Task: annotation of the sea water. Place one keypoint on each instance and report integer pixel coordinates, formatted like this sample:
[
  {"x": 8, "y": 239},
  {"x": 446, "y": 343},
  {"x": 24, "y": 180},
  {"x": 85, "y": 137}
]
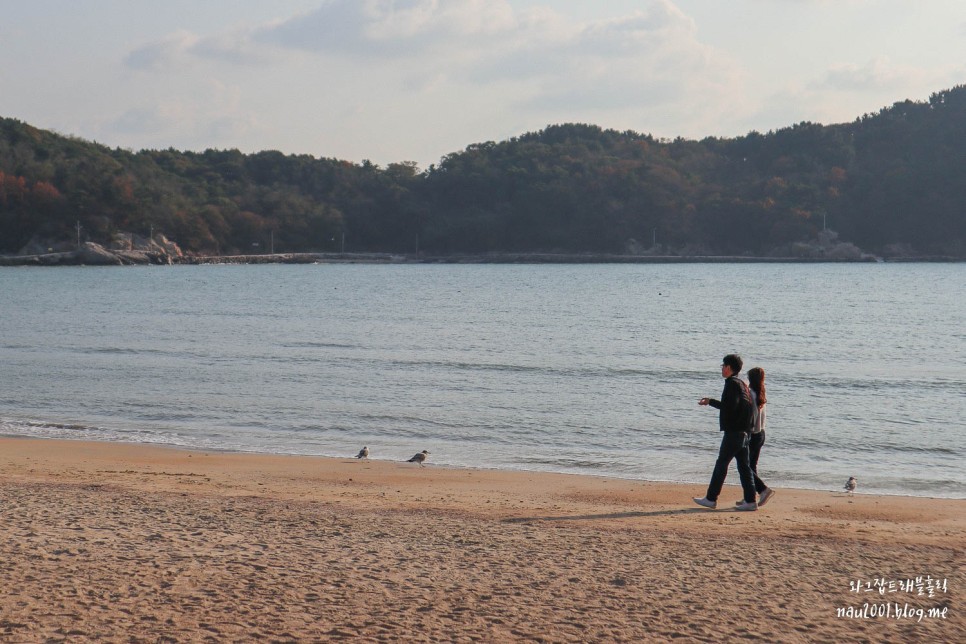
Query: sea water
[{"x": 590, "y": 369}]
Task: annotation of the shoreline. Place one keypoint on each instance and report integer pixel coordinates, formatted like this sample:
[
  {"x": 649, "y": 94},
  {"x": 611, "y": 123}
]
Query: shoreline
[
  {"x": 110, "y": 540},
  {"x": 475, "y": 468},
  {"x": 162, "y": 452},
  {"x": 126, "y": 258}
]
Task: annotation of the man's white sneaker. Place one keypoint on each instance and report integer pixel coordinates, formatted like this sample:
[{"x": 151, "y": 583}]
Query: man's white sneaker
[
  {"x": 746, "y": 507},
  {"x": 702, "y": 501},
  {"x": 764, "y": 496}
]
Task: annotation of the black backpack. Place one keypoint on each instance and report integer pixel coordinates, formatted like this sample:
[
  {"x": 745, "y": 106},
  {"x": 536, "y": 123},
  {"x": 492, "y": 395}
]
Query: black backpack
[{"x": 747, "y": 409}]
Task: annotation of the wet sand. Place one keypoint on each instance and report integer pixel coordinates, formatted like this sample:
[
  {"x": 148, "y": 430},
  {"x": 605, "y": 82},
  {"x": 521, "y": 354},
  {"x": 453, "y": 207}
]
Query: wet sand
[{"x": 120, "y": 542}]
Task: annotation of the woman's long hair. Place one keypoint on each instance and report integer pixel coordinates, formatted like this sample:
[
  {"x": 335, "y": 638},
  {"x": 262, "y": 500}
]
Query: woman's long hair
[{"x": 756, "y": 380}]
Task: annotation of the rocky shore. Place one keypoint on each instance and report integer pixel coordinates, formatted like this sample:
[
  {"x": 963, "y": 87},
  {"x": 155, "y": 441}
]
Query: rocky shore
[
  {"x": 91, "y": 254},
  {"x": 125, "y": 249}
]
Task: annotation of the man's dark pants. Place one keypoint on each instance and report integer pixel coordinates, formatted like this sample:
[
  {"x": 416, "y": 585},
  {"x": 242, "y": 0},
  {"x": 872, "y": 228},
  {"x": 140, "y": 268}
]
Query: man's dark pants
[{"x": 734, "y": 445}]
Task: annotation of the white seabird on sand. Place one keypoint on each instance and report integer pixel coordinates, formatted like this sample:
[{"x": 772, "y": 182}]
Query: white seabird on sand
[
  {"x": 419, "y": 458},
  {"x": 850, "y": 484},
  {"x": 363, "y": 453}
]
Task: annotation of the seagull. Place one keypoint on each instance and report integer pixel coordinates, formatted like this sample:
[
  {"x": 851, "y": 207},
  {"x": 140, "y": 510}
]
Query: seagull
[
  {"x": 363, "y": 453},
  {"x": 419, "y": 458},
  {"x": 850, "y": 484}
]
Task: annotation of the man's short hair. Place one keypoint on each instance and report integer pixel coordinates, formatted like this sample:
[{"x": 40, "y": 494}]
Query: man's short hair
[{"x": 734, "y": 361}]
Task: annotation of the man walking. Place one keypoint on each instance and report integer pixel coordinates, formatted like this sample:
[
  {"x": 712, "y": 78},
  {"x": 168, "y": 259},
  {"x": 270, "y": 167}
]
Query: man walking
[{"x": 734, "y": 443}]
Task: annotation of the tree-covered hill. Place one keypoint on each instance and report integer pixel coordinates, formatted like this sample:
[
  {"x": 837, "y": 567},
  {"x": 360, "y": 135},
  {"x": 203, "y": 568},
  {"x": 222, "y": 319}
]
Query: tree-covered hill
[{"x": 890, "y": 183}]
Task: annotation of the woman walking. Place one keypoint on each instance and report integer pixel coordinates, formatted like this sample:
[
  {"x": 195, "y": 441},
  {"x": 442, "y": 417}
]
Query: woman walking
[{"x": 756, "y": 382}]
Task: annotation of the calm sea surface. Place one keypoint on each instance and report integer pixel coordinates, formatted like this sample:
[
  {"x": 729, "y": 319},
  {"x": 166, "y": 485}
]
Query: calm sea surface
[{"x": 592, "y": 369}]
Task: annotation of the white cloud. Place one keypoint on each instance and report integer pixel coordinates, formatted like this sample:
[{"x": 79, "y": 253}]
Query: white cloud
[
  {"x": 236, "y": 48},
  {"x": 182, "y": 49},
  {"x": 537, "y": 60},
  {"x": 488, "y": 66},
  {"x": 661, "y": 25},
  {"x": 879, "y": 73},
  {"x": 211, "y": 112},
  {"x": 624, "y": 66},
  {"x": 845, "y": 91},
  {"x": 555, "y": 48},
  {"x": 390, "y": 27},
  {"x": 170, "y": 50},
  {"x": 150, "y": 119}
]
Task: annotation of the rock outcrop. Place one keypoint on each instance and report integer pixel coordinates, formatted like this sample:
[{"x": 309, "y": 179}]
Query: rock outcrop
[{"x": 131, "y": 250}]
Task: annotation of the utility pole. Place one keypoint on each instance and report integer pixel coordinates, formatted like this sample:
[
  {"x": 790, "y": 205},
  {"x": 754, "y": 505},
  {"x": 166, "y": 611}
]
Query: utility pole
[{"x": 78, "y": 234}]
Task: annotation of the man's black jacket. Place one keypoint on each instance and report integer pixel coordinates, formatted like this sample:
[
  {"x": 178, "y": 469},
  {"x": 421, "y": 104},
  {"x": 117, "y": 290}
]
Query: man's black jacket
[{"x": 729, "y": 406}]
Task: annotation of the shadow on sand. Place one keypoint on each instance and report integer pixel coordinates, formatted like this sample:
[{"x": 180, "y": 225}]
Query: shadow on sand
[{"x": 614, "y": 515}]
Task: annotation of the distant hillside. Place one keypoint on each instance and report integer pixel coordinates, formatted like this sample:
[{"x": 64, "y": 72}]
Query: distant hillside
[{"x": 891, "y": 183}]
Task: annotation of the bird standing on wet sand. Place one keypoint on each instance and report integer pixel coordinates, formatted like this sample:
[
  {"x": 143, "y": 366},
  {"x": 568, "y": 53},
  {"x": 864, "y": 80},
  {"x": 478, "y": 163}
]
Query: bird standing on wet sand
[
  {"x": 850, "y": 484},
  {"x": 364, "y": 452},
  {"x": 419, "y": 458}
]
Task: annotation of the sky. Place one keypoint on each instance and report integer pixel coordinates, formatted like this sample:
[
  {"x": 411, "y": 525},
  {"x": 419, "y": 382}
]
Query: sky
[{"x": 415, "y": 80}]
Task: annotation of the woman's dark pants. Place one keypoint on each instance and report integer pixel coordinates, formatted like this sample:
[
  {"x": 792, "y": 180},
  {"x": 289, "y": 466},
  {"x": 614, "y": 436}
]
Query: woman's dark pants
[{"x": 755, "y": 444}]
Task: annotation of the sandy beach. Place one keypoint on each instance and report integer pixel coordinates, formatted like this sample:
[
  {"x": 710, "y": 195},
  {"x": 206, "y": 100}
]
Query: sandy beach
[{"x": 119, "y": 542}]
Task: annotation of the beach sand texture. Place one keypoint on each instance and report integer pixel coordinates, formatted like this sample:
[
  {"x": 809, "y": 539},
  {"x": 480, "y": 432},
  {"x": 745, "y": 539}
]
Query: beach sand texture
[{"x": 132, "y": 543}]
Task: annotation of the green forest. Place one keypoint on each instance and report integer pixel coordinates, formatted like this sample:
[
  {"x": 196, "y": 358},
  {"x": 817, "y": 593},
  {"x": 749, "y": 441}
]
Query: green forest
[{"x": 892, "y": 183}]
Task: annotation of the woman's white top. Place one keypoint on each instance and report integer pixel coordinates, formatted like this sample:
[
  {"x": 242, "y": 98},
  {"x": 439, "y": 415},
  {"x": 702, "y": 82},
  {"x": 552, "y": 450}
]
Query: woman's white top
[{"x": 760, "y": 421}]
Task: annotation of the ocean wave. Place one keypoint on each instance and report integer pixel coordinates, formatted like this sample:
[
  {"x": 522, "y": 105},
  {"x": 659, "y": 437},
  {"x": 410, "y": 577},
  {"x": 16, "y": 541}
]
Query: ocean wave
[{"x": 319, "y": 345}]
